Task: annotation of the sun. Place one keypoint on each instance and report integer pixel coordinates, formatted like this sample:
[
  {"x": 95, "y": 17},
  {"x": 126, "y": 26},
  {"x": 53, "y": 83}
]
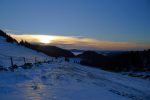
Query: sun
[{"x": 45, "y": 39}]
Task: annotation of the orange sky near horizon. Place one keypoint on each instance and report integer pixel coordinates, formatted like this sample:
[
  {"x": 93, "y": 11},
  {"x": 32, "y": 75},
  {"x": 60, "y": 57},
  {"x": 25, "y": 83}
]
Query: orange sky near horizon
[{"x": 71, "y": 42}]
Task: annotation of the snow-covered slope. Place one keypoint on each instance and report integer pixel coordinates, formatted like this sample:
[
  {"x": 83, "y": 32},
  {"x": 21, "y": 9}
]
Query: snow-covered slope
[
  {"x": 69, "y": 81},
  {"x": 17, "y": 52},
  {"x": 60, "y": 80}
]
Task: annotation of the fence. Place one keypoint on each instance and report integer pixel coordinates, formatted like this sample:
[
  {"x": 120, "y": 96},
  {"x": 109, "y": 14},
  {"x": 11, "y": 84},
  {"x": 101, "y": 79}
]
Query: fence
[{"x": 7, "y": 61}]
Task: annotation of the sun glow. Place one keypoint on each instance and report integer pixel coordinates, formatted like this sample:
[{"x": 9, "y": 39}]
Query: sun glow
[
  {"x": 81, "y": 43},
  {"x": 46, "y": 39}
]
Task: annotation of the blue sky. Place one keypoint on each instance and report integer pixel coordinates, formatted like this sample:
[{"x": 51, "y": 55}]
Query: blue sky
[{"x": 108, "y": 20}]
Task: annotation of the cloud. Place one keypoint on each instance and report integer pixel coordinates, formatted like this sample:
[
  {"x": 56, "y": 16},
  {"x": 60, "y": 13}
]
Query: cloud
[{"x": 70, "y": 42}]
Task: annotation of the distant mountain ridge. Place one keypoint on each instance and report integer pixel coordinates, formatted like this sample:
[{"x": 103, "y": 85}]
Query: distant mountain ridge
[
  {"x": 46, "y": 49},
  {"x": 125, "y": 61},
  {"x": 49, "y": 50}
]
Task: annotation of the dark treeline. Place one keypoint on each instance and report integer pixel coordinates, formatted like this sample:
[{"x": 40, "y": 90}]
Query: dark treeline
[
  {"x": 8, "y": 37},
  {"x": 126, "y": 61},
  {"x": 48, "y": 50}
]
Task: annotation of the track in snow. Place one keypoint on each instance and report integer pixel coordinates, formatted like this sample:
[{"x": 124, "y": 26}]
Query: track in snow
[{"x": 68, "y": 81}]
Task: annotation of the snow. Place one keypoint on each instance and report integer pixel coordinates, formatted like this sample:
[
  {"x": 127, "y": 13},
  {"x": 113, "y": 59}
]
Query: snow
[
  {"x": 17, "y": 52},
  {"x": 60, "y": 80},
  {"x": 69, "y": 81},
  {"x": 75, "y": 60}
]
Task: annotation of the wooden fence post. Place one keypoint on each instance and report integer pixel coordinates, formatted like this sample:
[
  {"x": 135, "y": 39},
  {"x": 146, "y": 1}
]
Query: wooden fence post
[
  {"x": 11, "y": 59},
  {"x": 24, "y": 59},
  {"x": 46, "y": 60},
  {"x": 35, "y": 60}
]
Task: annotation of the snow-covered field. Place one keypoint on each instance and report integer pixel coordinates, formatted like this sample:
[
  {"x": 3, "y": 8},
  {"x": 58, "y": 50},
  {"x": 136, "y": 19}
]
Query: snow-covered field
[
  {"x": 69, "y": 81},
  {"x": 60, "y": 80},
  {"x": 18, "y": 53}
]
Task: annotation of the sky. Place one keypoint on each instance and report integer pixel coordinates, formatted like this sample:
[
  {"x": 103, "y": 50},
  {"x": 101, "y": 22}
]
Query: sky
[{"x": 91, "y": 24}]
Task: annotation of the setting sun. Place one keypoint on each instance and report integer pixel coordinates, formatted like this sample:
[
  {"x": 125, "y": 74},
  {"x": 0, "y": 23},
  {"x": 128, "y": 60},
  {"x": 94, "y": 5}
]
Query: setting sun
[{"x": 45, "y": 39}]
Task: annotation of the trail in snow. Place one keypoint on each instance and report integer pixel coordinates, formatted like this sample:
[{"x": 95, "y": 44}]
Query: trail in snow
[{"x": 68, "y": 81}]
